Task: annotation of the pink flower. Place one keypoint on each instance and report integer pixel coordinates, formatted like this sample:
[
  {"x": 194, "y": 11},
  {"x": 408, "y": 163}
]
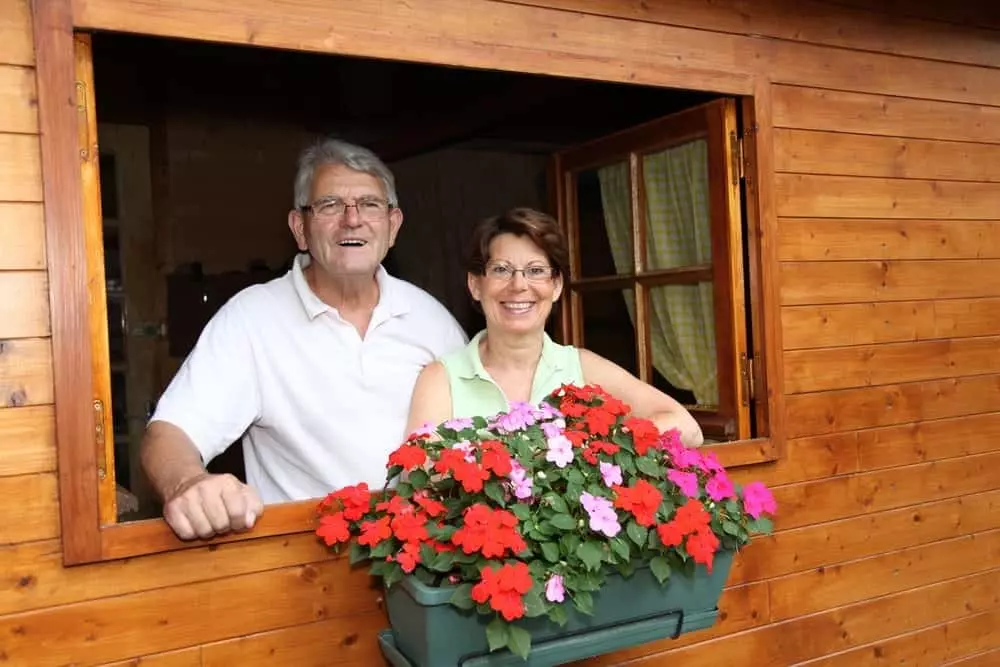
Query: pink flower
[
  {"x": 709, "y": 463},
  {"x": 520, "y": 480},
  {"x": 687, "y": 481},
  {"x": 757, "y": 499},
  {"x": 560, "y": 451},
  {"x": 720, "y": 488},
  {"x": 603, "y": 518},
  {"x": 466, "y": 447},
  {"x": 610, "y": 473},
  {"x": 554, "y": 590}
]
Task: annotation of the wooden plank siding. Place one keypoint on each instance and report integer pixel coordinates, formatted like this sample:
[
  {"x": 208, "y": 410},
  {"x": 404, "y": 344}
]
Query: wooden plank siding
[{"x": 886, "y": 139}]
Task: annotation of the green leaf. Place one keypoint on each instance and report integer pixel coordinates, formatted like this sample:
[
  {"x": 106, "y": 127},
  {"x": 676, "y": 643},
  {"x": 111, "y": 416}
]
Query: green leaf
[
  {"x": 557, "y": 614},
  {"x": 584, "y": 602},
  {"x": 393, "y": 574},
  {"x": 417, "y": 478},
  {"x": 557, "y": 503},
  {"x": 732, "y": 507},
  {"x": 570, "y": 543},
  {"x": 660, "y": 568},
  {"x": 462, "y": 597},
  {"x": 563, "y": 522},
  {"x": 627, "y": 569},
  {"x": 495, "y": 493},
  {"x": 636, "y": 533},
  {"x": 440, "y": 533},
  {"x": 519, "y": 641},
  {"x": 620, "y": 547},
  {"x": 625, "y": 461},
  {"x": 648, "y": 467},
  {"x": 591, "y": 554},
  {"x": 358, "y": 553},
  {"x": 404, "y": 490},
  {"x": 730, "y": 527},
  {"x": 761, "y": 525},
  {"x": 383, "y": 549},
  {"x": 551, "y": 552},
  {"x": 533, "y": 603},
  {"x": 521, "y": 511},
  {"x": 379, "y": 568},
  {"x": 497, "y": 634},
  {"x": 443, "y": 562},
  {"x": 575, "y": 477}
]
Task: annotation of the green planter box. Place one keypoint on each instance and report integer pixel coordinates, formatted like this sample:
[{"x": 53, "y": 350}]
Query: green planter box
[{"x": 429, "y": 632}]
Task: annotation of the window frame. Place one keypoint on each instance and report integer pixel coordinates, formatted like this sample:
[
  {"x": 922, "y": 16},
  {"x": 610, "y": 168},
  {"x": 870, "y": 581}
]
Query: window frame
[
  {"x": 716, "y": 123},
  {"x": 88, "y": 539}
]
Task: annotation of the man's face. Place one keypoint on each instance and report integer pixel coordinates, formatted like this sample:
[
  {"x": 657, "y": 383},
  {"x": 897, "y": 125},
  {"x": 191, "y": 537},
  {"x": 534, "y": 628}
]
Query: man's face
[{"x": 353, "y": 242}]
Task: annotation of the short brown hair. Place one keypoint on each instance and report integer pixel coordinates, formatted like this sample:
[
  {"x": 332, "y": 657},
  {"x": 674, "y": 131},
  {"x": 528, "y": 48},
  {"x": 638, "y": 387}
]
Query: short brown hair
[{"x": 541, "y": 228}]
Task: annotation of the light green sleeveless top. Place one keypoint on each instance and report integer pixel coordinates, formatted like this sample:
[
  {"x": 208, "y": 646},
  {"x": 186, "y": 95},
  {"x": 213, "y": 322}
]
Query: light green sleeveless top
[{"x": 473, "y": 391}]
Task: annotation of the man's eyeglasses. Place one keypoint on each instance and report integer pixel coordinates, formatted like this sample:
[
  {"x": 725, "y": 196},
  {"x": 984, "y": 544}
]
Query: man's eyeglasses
[
  {"x": 369, "y": 209},
  {"x": 503, "y": 272}
]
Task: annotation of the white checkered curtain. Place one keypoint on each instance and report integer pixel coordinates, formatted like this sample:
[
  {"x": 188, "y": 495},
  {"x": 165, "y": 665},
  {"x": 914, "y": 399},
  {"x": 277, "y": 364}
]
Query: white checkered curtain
[{"x": 682, "y": 317}]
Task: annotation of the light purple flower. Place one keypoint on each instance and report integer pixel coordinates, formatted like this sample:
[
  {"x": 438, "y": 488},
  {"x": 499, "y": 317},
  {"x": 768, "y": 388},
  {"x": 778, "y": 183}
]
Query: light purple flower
[
  {"x": 720, "y": 487},
  {"x": 521, "y": 415},
  {"x": 466, "y": 447},
  {"x": 459, "y": 424},
  {"x": 426, "y": 430},
  {"x": 554, "y": 590},
  {"x": 553, "y": 428},
  {"x": 687, "y": 481},
  {"x": 547, "y": 411},
  {"x": 602, "y": 514},
  {"x": 520, "y": 480},
  {"x": 560, "y": 451},
  {"x": 610, "y": 473}
]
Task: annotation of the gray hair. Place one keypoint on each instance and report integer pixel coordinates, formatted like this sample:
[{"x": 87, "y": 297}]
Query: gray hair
[{"x": 334, "y": 151}]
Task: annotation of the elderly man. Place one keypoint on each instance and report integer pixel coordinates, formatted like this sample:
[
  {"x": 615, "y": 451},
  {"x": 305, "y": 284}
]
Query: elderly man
[{"x": 313, "y": 369}]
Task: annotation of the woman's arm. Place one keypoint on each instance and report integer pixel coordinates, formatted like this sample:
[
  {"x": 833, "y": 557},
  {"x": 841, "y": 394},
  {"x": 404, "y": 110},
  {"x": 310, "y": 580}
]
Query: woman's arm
[
  {"x": 646, "y": 401},
  {"x": 431, "y": 400}
]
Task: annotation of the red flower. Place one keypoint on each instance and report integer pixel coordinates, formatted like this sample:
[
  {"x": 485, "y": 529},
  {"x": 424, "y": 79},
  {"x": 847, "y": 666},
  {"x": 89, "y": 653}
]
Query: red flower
[
  {"x": 599, "y": 421},
  {"x": 642, "y": 499},
  {"x": 670, "y": 534},
  {"x": 333, "y": 528},
  {"x": 373, "y": 532},
  {"x": 395, "y": 505},
  {"x": 615, "y": 407},
  {"x": 692, "y": 516},
  {"x": 429, "y": 505},
  {"x": 571, "y": 408},
  {"x": 644, "y": 434},
  {"x": 505, "y": 588},
  {"x": 408, "y": 557},
  {"x": 578, "y": 438},
  {"x": 355, "y": 501},
  {"x": 496, "y": 458},
  {"x": 702, "y": 547},
  {"x": 410, "y": 527},
  {"x": 490, "y": 532},
  {"x": 408, "y": 456},
  {"x": 469, "y": 474}
]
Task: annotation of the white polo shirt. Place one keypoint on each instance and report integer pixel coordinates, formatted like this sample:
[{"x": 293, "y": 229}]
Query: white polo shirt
[{"x": 318, "y": 407}]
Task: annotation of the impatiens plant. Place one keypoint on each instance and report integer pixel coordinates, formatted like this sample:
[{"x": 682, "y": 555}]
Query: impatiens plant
[{"x": 528, "y": 511}]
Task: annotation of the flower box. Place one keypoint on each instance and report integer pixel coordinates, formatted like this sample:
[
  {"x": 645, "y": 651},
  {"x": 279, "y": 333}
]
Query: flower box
[{"x": 427, "y": 631}]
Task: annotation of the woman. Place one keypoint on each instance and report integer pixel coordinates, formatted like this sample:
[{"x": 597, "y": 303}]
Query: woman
[{"x": 516, "y": 271}]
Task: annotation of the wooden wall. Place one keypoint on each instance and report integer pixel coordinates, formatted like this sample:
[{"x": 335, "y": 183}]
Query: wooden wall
[{"x": 887, "y": 191}]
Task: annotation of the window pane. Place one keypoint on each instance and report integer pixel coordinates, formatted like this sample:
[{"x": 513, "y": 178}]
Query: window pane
[
  {"x": 604, "y": 210},
  {"x": 677, "y": 206},
  {"x": 609, "y": 326},
  {"x": 682, "y": 337}
]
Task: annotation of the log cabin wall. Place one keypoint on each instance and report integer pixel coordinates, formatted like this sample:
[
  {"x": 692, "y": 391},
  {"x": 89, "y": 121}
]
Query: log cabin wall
[{"x": 887, "y": 192}]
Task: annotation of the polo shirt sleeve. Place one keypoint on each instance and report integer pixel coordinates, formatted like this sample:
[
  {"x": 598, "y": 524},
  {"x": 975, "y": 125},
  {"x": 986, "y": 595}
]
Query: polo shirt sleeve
[
  {"x": 453, "y": 335},
  {"x": 215, "y": 395}
]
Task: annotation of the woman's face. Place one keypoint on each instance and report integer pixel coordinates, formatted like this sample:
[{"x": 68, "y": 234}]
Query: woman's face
[{"x": 518, "y": 301}]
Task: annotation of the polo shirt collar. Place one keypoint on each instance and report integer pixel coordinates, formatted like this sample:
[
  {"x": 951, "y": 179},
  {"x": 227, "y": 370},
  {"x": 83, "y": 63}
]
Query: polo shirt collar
[
  {"x": 471, "y": 365},
  {"x": 390, "y": 299}
]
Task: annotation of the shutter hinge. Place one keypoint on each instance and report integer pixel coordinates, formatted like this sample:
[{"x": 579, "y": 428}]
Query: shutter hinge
[
  {"x": 749, "y": 381},
  {"x": 102, "y": 453}
]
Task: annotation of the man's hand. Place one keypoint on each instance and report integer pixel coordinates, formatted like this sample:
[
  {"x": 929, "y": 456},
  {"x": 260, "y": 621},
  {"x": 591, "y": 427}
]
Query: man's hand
[{"x": 208, "y": 505}]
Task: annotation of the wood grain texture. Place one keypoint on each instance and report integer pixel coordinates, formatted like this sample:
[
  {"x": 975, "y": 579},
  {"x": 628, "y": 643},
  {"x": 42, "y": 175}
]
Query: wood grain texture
[
  {"x": 25, "y": 372},
  {"x": 888, "y": 363},
  {"x": 22, "y": 236},
  {"x": 806, "y": 21},
  {"x": 24, "y": 304},
  {"x": 850, "y": 409},
  {"x": 20, "y": 168},
  {"x": 29, "y": 505},
  {"x": 834, "y": 238},
  {"x": 66, "y": 249},
  {"x": 888, "y": 322},
  {"x": 189, "y": 657},
  {"x": 888, "y": 280},
  {"x": 15, "y": 34},
  {"x": 29, "y": 441},
  {"x": 117, "y": 628},
  {"x": 807, "y": 195},
  {"x": 891, "y": 488},
  {"x": 804, "y": 459},
  {"x": 840, "y": 153},
  {"x": 835, "y": 630},
  {"x": 836, "y": 110},
  {"x": 18, "y": 99},
  {"x": 984, "y": 659},
  {"x": 928, "y": 441}
]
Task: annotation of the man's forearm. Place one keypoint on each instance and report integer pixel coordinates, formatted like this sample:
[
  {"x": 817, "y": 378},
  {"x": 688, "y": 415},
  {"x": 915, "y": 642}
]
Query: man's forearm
[{"x": 169, "y": 458}]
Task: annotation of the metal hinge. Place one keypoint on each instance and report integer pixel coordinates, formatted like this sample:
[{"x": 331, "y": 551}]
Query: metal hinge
[
  {"x": 749, "y": 381},
  {"x": 102, "y": 455}
]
